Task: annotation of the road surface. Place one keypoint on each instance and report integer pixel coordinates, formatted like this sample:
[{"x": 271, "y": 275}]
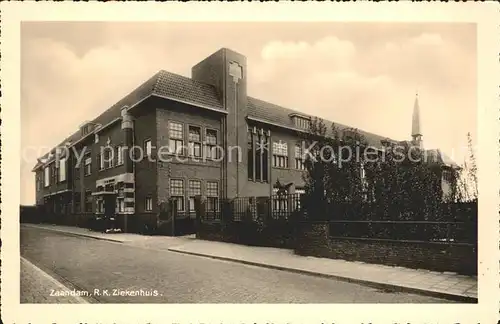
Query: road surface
[{"x": 107, "y": 272}]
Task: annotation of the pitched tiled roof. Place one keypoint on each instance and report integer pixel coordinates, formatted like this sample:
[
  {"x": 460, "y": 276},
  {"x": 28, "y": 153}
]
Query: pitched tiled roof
[
  {"x": 176, "y": 87},
  {"x": 165, "y": 84},
  {"x": 275, "y": 114},
  {"x": 185, "y": 89}
]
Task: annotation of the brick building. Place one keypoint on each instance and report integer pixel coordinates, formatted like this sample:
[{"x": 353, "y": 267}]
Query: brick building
[{"x": 190, "y": 116}]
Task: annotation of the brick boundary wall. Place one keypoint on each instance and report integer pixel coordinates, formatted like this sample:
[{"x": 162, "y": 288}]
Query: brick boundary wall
[
  {"x": 247, "y": 233},
  {"x": 314, "y": 240}
]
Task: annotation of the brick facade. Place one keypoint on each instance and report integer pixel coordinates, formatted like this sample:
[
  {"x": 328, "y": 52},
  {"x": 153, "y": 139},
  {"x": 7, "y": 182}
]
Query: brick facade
[{"x": 213, "y": 100}]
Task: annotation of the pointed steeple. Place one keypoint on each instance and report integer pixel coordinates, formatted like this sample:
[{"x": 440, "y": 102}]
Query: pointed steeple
[{"x": 416, "y": 132}]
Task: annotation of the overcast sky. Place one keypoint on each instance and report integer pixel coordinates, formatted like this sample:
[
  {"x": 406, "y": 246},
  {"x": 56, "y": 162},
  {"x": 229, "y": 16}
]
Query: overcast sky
[{"x": 364, "y": 75}]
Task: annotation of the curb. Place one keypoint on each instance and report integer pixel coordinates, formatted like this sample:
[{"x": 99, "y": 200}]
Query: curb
[
  {"x": 78, "y": 234},
  {"x": 372, "y": 284}
]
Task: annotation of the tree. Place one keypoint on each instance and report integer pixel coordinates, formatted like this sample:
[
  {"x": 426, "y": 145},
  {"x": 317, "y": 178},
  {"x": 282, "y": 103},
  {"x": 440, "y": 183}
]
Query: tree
[{"x": 465, "y": 186}]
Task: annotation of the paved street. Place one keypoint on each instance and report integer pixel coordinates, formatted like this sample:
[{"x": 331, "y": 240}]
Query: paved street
[{"x": 100, "y": 270}]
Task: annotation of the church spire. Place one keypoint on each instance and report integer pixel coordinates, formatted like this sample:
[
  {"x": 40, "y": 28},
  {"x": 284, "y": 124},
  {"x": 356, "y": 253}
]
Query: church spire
[{"x": 416, "y": 132}]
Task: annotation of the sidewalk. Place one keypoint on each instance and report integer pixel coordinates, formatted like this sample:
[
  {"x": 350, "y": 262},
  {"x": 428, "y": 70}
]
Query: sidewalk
[
  {"x": 37, "y": 287},
  {"x": 436, "y": 284},
  {"x": 145, "y": 241}
]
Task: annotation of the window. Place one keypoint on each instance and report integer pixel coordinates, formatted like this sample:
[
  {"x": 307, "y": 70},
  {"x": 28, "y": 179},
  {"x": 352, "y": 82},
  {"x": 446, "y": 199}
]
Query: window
[
  {"x": 120, "y": 204},
  {"x": 147, "y": 147},
  {"x": 302, "y": 122},
  {"x": 265, "y": 157},
  {"x": 212, "y": 195},
  {"x": 258, "y": 150},
  {"x": 280, "y": 154},
  {"x": 88, "y": 201},
  {"x": 106, "y": 158},
  {"x": 119, "y": 155},
  {"x": 100, "y": 205},
  {"x": 53, "y": 173},
  {"x": 148, "y": 204},
  {"x": 177, "y": 192},
  {"x": 211, "y": 144},
  {"x": 88, "y": 165},
  {"x": 110, "y": 157},
  {"x": 194, "y": 189},
  {"x": 176, "y": 138},
  {"x": 250, "y": 155},
  {"x": 62, "y": 170},
  {"x": 194, "y": 141},
  {"x": 100, "y": 160},
  {"x": 299, "y": 158},
  {"x": 46, "y": 174}
]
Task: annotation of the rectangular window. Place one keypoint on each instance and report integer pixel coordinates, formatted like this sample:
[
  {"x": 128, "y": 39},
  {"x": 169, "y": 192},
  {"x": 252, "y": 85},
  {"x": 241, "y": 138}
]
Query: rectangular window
[
  {"x": 148, "y": 204},
  {"x": 280, "y": 154},
  {"x": 46, "y": 174},
  {"x": 194, "y": 190},
  {"x": 119, "y": 155},
  {"x": 177, "y": 192},
  {"x": 299, "y": 158},
  {"x": 302, "y": 123},
  {"x": 100, "y": 160},
  {"x": 88, "y": 201},
  {"x": 148, "y": 148},
  {"x": 259, "y": 150},
  {"x": 194, "y": 141},
  {"x": 100, "y": 205},
  {"x": 212, "y": 195},
  {"x": 250, "y": 155},
  {"x": 53, "y": 173},
  {"x": 120, "y": 204},
  {"x": 88, "y": 165},
  {"x": 110, "y": 157},
  {"x": 62, "y": 169},
  {"x": 211, "y": 144},
  {"x": 265, "y": 158},
  {"x": 176, "y": 138}
]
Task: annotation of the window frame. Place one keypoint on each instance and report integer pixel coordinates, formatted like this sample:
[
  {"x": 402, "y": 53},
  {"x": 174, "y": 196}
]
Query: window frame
[
  {"x": 148, "y": 204},
  {"x": 145, "y": 147},
  {"x": 87, "y": 158},
  {"x": 299, "y": 158},
  {"x": 176, "y": 139},
  {"x": 192, "y": 143},
  {"x": 212, "y": 198},
  {"x": 120, "y": 160},
  {"x": 279, "y": 156},
  {"x": 88, "y": 202},
  {"x": 62, "y": 162},
  {"x": 192, "y": 194},
  {"x": 210, "y": 147},
  {"x": 183, "y": 196},
  {"x": 46, "y": 176}
]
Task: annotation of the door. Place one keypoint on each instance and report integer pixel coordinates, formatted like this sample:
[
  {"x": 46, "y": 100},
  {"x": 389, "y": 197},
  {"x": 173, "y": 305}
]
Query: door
[{"x": 109, "y": 205}]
